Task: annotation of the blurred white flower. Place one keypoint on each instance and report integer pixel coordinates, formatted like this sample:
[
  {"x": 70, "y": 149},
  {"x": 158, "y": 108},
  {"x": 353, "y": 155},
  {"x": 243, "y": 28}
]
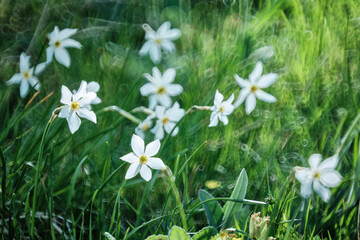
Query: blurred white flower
[
  {"x": 320, "y": 176},
  {"x": 221, "y": 109},
  {"x": 77, "y": 105},
  {"x": 160, "y": 87},
  {"x": 92, "y": 87},
  {"x": 58, "y": 42},
  {"x": 143, "y": 127},
  {"x": 251, "y": 89},
  {"x": 167, "y": 119},
  {"x": 161, "y": 39},
  {"x": 26, "y": 76},
  {"x": 142, "y": 158}
]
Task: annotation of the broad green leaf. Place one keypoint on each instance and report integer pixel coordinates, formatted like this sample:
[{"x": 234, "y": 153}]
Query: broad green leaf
[
  {"x": 177, "y": 233},
  {"x": 213, "y": 209},
  {"x": 239, "y": 192},
  {"x": 205, "y": 233},
  {"x": 156, "y": 237}
]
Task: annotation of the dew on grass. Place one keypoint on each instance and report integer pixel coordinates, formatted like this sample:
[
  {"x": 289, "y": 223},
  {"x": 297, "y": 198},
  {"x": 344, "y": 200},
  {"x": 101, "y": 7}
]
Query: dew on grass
[
  {"x": 273, "y": 177},
  {"x": 302, "y": 119},
  {"x": 299, "y": 130},
  {"x": 244, "y": 147},
  {"x": 219, "y": 168},
  {"x": 308, "y": 34},
  {"x": 304, "y": 142},
  {"x": 231, "y": 186},
  {"x": 282, "y": 159},
  {"x": 236, "y": 133},
  {"x": 267, "y": 114},
  {"x": 200, "y": 168},
  {"x": 256, "y": 113}
]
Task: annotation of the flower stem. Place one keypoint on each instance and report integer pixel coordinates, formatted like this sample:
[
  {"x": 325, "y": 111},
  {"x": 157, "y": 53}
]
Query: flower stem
[{"x": 123, "y": 113}]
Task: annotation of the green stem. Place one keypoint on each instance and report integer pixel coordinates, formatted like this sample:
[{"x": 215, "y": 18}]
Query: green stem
[{"x": 123, "y": 113}]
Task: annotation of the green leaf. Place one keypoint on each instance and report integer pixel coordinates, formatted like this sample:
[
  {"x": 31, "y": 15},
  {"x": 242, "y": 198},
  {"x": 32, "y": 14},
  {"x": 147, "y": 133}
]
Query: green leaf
[
  {"x": 239, "y": 192},
  {"x": 177, "y": 233},
  {"x": 205, "y": 233},
  {"x": 109, "y": 236},
  {"x": 213, "y": 209},
  {"x": 156, "y": 237}
]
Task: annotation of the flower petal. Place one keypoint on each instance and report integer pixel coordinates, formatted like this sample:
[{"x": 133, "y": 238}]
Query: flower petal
[
  {"x": 49, "y": 54},
  {"x": 214, "y": 119},
  {"x": 130, "y": 158},
  {"x": 160, "y": 111},
  {"x": 265, "y": 97},
  {"x": 167, "y": 45},
  {"x": 152, "y": 101},
  {"x": 242, "y": 83},
  {"x": 145, "y": 48},
  {"x": 155, "y": 163},
  {"x": 145, "y": 172},
  {"x": 34, "y": 82},
  {"x": 172, "y": 34},
  {"x": 133, "y": 170},
  {"x": 158, "y": 130},
  {"x": 137, "y": 145},
  {"x": 314, "y": 160},
  {"x": 147, "y": 89},
  {"x": 67, "y": 32},
  {"x": 169, "y": 76},
  {"x": 85, "y": 113},
  {"x": 224, "y": 119},
  {"x": 164, "y": 100},
  {"x": 152, "y": 148},
  {"x": 40, "y": 68},
  {"x": 250, "y": 103},
  {"x": 24, "y": 88},
  {"x": 93, "y": 87},
  {"x": 65, "y": 112},
  {"x": 218, "y": 98},
  {"x": 66, "y": 95},
  {"x": 62, "y": 56},
  {"x": 329, "y": 163},
  {"x": 155, "y": 53},
  {"x": 74, "y": 122},
  {"x": 87, "y": 98},
  {"x": 169, "y": 127},
  {"x": 174, "y": 89},
  {"x": 267, "y": 80},
  {"x": 330, "y": 178},
  {"x": 323, "y": 192},
  {"x": 256, "y": 73},
  {"x": 242, "y": 96},
  {"x": 71, "y": 43},
  {"x": 164, "y": 27},
  {"x": 24, "y": 62},
  {"x": 16, "y": 79},
  {"x": 175, "y": 114}
]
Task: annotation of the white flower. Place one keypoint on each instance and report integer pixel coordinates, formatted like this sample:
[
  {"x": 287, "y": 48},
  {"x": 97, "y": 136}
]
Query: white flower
[
  {"x": 143, "y": 127},
  {"x": 142, "y": 158},
  {"x": 26, "y": 76},
  {"x": 58, "y": 42},
  {"x": 92, "y": 87},
  {"x": 167, "y": 119},
  {"x": 221, "y": 109},
  {"x": 251, "y": 89},
  {"x": 160, "y": 87},
  {"x": 319, "y": 176},
  {"x": 77, "y": 105},
  {"x": 161, "y": 39}
]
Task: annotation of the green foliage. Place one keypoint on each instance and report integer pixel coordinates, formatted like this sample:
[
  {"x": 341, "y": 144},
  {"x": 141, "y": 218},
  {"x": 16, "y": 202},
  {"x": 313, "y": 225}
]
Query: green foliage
[{"x": 213, "y": 210}]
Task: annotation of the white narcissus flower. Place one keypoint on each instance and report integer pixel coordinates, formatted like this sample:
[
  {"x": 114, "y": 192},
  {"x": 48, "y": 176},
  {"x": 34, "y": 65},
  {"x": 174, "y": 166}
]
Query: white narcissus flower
[
  {"x": 160, "y": 87},
  {"x": 77, "y": 105},
  {"x": 167, "y": 119},
  {"x": 142, "y": 159},
  {"x": 251, "y": 89},
  {"x": 161, "y": 39},
  {"x": 26, "y": 76},
  {"x": 320, "y": 176},
  {"x": 58, "y": 42},
  {"x": 143, "y": 127},
  {"x": 221, "y": 109},
  {"x": 92, "y": 87}
]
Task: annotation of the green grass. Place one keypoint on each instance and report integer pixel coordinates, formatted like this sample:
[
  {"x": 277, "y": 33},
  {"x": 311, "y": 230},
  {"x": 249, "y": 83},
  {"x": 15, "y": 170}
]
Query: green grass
[{"x": 81, "y": 178}]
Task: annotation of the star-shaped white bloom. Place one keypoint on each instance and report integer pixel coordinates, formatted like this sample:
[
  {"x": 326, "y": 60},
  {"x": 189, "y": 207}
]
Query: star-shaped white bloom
[
  {"x": 142, "y": 158},
  {"x": 92, "y": 87},
  {"x": 26, "y": 76},
  {"x": 58, "y": 42},
  {"x": 160, "y": 87},
  {"x": 143, "y": 127},
  {"x": 161, "y": 39},
  {"x": 251, "y": 89},
  {"x": 320, "y": 176},
  {"x": 221, "y": 109},
  {"x": 167, "y": 119},
  {"x": 76, "y": 106}
]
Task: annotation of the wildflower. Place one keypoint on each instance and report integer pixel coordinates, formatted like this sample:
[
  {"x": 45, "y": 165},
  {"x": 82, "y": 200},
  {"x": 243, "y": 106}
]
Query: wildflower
[
  {"x": 259, "y": 227},
  {"x": 221, "y": 109},
  {"x": 167, "y": 119},
  {"x": 77, "y": 105},
  {"x": 251, "y": 89},
  {"x": 142, "y": 158},
  {"x": 161, "y": 39},
  {"x": 58, "y": 42},
  {"x": 319, "y": 176},
  {"x": 26, "y": 76},
  {"x": 212, "y": 184},
  {"x": 92, "y": 87},
  {"x": 161, "y": 88},
  {"x": 143, "y": 127}
]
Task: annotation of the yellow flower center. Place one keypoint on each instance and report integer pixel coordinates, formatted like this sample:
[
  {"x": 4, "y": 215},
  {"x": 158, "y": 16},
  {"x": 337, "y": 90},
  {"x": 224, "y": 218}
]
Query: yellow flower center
[
  {"x": 161, "y": 90},
  {"x": 158, "y": 40},
  {"x": 221, "y": 109},
  {"x": 317, "y": 175},
  {"x": 57, "y": 44},
  {"x": 143, "y": 159},
  {"x": 75, "y": 106},
  {"x": 145, "y": 127},
  {"x": 26, "y": 74},
  {"x": 254, "y": 88},
  {"x": 165, "y": 120}
]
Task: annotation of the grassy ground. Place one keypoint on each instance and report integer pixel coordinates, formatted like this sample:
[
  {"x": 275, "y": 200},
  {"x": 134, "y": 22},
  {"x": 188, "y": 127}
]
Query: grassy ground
[{"x": 316, "y": 45}]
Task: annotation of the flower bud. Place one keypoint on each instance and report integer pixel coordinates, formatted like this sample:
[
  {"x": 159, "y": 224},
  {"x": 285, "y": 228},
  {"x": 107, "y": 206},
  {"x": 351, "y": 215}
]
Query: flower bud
[{"x": 259, "y": 227}]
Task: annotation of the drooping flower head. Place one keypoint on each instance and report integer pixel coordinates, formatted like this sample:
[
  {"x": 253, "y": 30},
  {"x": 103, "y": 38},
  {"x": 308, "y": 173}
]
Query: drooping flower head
[
  {"x": 320, "y": 176},
  {"x": 143, "y": 127},
  {"x": 221, "y": 109},
  {"x": 77, "y": 106},
  {"x": 251, "y": 89},
  {"x": 58, "y": 42},
  {"x": 161, "y": 39},
  {"x": 142, "y": 159},
  {"x": 26, "y": 76},
  {"x": 167, "y": 119},
  {"x": 160, "y": 87}
]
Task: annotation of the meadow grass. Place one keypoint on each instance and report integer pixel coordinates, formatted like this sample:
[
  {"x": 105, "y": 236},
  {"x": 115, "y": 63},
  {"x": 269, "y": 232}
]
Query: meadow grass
[{"x": 79, "y": 178}]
